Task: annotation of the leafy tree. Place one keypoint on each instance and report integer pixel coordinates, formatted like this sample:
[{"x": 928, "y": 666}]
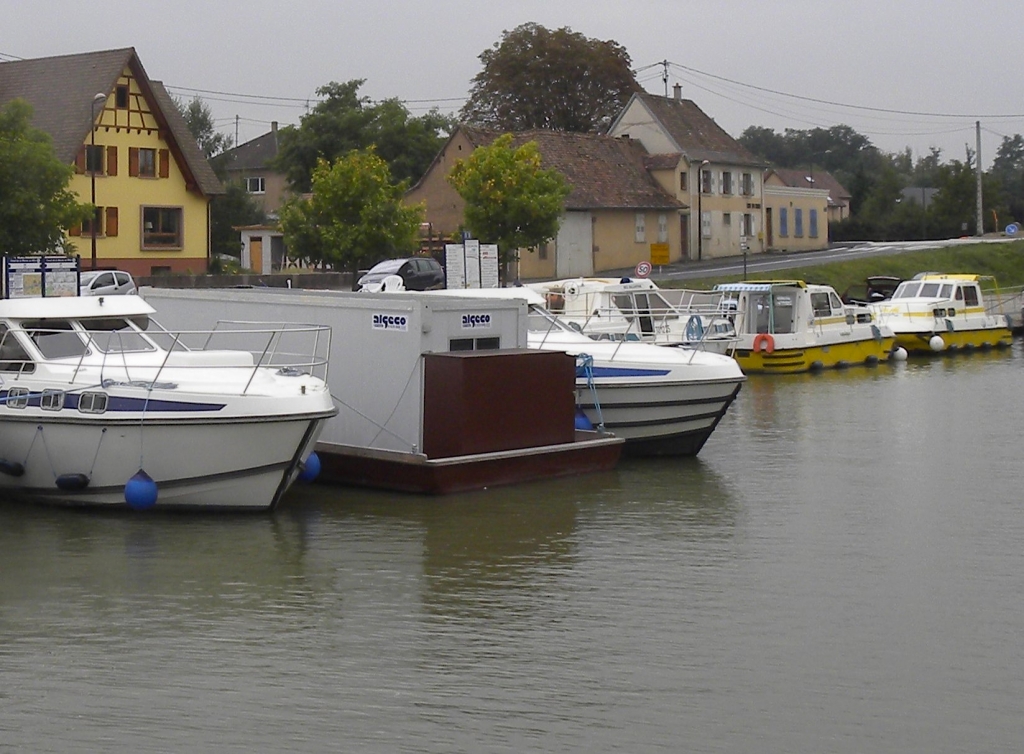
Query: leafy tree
[
  {"x": 354, "y": 216},
  {"x": 36, "y": 205},
  {"x": 1008, "y": 170},
  {"x": 235, "y": 207},
  {"x": 199, "y": 118},
  {"x": 556, "y": 80},
  {"x": 344, "y": 121},
  {"x": 510, "y": 199}
]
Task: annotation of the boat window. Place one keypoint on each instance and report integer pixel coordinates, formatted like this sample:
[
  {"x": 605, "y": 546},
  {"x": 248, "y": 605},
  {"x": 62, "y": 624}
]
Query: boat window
[
  {"x": 907, "y": 290},
  {"x": 51, "y": 400},
  {"x": 761, "y": 308},
  {"x": 115, "y": 336},
  {"x": 837, "y": 303},
  {"x": 946, "y": 291},
  {"x": 930, "y": 290},
  {"x": 555, "y": 302},
  {"x": 92, "y": 403},
  {"x": 971, "y": 297},
  {"x": 959, "y": 294},
  {"x": 13, "y": 357},
  {"x": 784, "y": 311},
  {"x": 55, "y": 338},
  {"x": 821, "y": 305},
  {"x": 624, "y": 303},
  {"x": 17, "y": 397}
]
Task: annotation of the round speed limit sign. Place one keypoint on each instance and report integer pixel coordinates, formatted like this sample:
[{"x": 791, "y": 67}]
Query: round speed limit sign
[{"x": 643, "y": 269}]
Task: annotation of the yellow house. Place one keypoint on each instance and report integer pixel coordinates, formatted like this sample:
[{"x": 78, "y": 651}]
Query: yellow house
[
  {"x": 616, "y": 214},
  {"x": 135, "y": 159}
]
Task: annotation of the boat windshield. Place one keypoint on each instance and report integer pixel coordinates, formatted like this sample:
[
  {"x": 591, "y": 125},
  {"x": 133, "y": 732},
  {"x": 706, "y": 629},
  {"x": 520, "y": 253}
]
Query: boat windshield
[
  {"x": 541, "y": 320},
  {"x": 116, "y": 335},
  {"x": 907, "y": 290},
  {"x": 13, "y": 356}
]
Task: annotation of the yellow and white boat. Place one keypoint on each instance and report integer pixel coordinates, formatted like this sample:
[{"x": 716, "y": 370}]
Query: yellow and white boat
[
  {"x": 789, "y": 326},
  {"x": 934, "y": 313}
]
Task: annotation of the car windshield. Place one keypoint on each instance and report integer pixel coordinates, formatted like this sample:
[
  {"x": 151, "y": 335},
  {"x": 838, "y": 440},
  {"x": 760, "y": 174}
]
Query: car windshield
[{"x": 388, "y": 265}]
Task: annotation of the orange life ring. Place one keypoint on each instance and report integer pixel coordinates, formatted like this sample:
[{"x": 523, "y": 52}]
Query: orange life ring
[{"x": 764, "y": 342}]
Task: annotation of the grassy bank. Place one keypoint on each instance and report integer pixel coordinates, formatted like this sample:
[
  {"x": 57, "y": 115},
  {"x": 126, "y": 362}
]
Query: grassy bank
[{"x": 1004, "y": 261}]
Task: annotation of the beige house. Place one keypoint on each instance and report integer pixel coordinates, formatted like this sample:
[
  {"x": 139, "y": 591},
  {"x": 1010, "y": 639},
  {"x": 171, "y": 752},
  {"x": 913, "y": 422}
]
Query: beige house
[
  {"x": 795, "y": 217},
  {"x": 616, "y": 214},
  {"x": 250, "y": 164},
  {"x": 716, "y": 180},
  {"x": 815, "y": 178}
]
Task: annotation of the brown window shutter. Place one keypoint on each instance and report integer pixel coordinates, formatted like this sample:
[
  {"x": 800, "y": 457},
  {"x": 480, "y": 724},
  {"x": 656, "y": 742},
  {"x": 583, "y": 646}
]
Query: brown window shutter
[
  {"x": 111, "y": 229},
  {"x": 165, "y": 163},
  {"x": 80, "y": 160},
  {"x": 75, "y": 231},
  {"x": 133, "y": 161},
  {"x": 111, "y": 160}
]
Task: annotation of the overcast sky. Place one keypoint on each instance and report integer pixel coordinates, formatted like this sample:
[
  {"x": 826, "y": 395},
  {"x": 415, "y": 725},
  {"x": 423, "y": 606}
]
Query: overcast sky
[{"x": 740, "y": 60}]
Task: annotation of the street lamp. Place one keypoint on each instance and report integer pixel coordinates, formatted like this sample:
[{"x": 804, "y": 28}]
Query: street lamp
[
  {"x": 98, "y": 99},
  {"x": 700, "y": 213}
]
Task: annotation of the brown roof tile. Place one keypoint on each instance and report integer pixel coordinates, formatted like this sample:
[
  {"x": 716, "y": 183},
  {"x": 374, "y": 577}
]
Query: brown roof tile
[
  {"x": 695, "y": 133},
  {"x": 797, "y": 178},
  {"x": 60, "y": 90},
  {"x": 604, "y": 172}
]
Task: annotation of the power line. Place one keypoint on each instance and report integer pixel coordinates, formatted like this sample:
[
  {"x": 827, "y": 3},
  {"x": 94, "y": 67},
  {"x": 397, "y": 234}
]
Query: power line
[{"x": 840, "y": 104}]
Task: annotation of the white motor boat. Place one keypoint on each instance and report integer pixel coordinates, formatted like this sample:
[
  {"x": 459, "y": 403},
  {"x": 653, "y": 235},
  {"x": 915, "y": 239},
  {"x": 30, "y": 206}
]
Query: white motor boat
[
  {"x": 100, "y": 406},
  {"x": 661, "y": 401},
  {"x": 936, "y": 313},
  {"x": 637, "y": 309}
]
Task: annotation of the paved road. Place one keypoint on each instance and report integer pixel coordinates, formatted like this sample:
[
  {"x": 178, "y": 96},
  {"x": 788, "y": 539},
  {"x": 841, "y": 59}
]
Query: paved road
[{"x": 759, "y": 264}]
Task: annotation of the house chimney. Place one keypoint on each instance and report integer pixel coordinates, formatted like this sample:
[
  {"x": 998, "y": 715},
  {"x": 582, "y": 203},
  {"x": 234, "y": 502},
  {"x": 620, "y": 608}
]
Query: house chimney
[
  {"x": 273, "y": 130},
  {"x": 677, "y": 90}
]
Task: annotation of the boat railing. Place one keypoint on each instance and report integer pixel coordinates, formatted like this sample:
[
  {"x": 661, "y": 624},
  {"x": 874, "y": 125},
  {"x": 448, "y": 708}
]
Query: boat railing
[{"x": 131, "y": 355}]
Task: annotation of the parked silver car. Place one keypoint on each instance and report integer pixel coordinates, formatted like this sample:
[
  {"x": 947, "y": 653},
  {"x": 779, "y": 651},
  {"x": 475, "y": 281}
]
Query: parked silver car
[{"x": 106, "y": 283}]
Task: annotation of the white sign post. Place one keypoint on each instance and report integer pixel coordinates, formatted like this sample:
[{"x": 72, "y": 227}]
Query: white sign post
[{"x": 471, "y": 265}]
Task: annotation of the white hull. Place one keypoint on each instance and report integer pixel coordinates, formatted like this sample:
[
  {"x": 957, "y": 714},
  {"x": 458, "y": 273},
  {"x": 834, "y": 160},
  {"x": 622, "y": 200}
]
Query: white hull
[
  {"x": 665, "y": 418},
  {"x": 661, "y": 401},
  {"x": 236, "y": 464}
]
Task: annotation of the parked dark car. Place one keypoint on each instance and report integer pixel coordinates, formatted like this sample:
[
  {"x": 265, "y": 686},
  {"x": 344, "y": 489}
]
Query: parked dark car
[{"x": 417, "y": 273}]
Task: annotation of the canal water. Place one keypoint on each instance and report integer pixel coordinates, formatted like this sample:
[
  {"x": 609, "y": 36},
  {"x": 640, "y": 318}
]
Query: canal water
[{"x": 841, "y": 570}]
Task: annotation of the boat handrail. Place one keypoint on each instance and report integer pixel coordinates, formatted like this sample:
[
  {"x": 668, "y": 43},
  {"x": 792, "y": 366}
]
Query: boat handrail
[{"x": 308, "y": 356}]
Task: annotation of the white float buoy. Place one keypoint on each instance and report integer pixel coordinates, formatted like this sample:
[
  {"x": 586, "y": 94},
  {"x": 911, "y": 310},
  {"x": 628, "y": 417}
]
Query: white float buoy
[
  {"x": 900, "y": 354},
  {"x": 936, "y": 343}
]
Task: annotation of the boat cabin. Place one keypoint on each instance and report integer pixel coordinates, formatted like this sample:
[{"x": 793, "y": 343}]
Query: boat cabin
[
  {"x": 963, "y": 291},
  {"x": 785, "y": 306}
]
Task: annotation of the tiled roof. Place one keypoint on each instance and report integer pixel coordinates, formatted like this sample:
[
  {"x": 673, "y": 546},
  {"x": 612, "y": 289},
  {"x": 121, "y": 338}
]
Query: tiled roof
[
  {"x": 797, "y": 178},
  {"x": 668, "y": 161},
  {"x": 253, "y": 154},
  {"x": 696, "y": 134},
  {"x": 60, "y": 90},
  {"x": 604, "y": 172}
]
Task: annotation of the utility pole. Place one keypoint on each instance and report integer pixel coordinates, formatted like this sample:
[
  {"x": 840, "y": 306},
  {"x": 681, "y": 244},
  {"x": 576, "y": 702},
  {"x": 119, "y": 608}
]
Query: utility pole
[
  {"x": 664, "y": 76},
  {"x": 977, "y": 158}
]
